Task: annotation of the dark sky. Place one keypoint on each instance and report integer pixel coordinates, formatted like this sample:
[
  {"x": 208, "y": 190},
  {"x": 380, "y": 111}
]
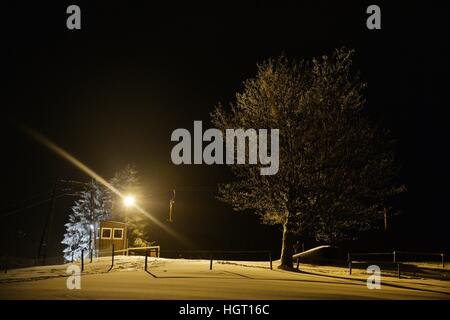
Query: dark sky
[{"x": 113, "y": 92}]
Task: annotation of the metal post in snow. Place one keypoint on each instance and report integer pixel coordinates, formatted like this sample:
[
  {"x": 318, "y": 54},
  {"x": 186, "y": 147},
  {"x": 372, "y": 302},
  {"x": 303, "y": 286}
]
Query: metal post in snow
[
  {"x": 443, "y": 261},
  {"x": 112, "y": 256},
  {"x": 270, "y": 259},
  {"x": 82, "y": 260},
  {"x": 210, "y": 261},
  {"x": 350, "y": 267},
  {"x": 146, "y": 255}
]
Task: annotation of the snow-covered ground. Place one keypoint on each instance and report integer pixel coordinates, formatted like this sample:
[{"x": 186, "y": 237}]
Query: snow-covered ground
[{"x": 192, "y": 279}]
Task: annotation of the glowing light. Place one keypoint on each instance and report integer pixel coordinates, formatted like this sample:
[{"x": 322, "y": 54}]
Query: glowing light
[
  {"x": 128, "y": 201},
  {"x": 64, "y": 154}
]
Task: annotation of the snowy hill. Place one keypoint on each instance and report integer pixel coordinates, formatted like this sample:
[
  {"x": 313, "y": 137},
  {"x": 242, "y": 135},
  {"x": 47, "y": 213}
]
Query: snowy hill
[{"x": 192, "y": 279}]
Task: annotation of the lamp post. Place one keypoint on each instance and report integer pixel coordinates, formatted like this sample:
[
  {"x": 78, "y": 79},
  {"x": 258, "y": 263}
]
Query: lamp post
[
  {"x": 91, "y": 230},
  {"x": 171, "y": 203},
  {"x": 128, "y": 201}
]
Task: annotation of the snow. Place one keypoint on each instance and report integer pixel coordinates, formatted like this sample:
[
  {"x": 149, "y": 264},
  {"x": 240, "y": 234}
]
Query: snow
[
  {"x": 192, "y": 279},
  {"x": 310, "y": 251}
]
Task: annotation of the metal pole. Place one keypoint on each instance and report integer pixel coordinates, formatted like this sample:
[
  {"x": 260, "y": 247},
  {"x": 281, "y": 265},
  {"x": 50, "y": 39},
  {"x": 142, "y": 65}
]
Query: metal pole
[
  {"x": 395, "y": 257},
  {"x": 146, "y": 255},
  {"x": 112, "y": 256},
  {"x": 298, "y": 263},
  {"x": 210, "y": 261},
  {"x": 42, "y": 252},
  {"x": 90, "y": 243},
  {"x": 82, "y": 260},
  {"x": 350, "y": 267},
  {"x": 91, "y": 223},
  {"x": 443, "y": 260},
  {"x": 270, "y": 259},
  {"x": 398, "y": 269},
  {"x": 385, "y": 218}
]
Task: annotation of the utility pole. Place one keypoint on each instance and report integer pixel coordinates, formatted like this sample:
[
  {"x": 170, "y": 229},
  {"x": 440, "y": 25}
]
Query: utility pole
[
  {"x": 92, "y": 222},
  {"x": 42, "y": 252},
  {"x": 171, "y": 203},
  {"x": 69, "y": 186}
]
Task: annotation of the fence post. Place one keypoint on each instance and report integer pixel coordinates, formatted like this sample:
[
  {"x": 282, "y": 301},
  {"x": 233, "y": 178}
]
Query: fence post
[
  {"x": 270, "y": 259},
  {"x": 72, "y": 257},
  {"x": 90, "y": 253},
  {"x": 146, "y": 255},
  {"x": 82, "y": 260},
  {"x": 350, "y": 267},
  {"x": 443, "y": 261},
  {"x": 112, "y": 256},
  {"x": 298, "y": 263},
  {"x": 395, "y": 258},
  {"x": 157, "y": 252},
  {"x": 6, "y": 264},
  {"x": 398, "y": 269},
  {"x": 210, "y": 261}
]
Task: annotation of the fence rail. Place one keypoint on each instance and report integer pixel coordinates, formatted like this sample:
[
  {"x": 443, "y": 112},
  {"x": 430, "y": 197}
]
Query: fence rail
[
  {"x": 395, "y": 258},
  {"x": 212, "y": 255},
  {"x": 156, "y": 249}
]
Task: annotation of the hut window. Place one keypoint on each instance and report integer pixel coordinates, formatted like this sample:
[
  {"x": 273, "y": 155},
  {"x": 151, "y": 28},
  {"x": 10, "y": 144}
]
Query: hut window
[
  {"x": 106, "y": 233},
  {"x": 118, "y": 233}
]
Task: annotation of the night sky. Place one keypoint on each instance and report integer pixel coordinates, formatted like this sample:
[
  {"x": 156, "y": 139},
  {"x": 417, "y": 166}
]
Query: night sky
[{"x": 112, "y": 93}]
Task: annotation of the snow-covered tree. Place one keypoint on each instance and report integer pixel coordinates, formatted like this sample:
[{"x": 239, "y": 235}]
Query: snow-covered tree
[
  {"x": 336, "y": 167},
  {"x": 93, "y": 206}
]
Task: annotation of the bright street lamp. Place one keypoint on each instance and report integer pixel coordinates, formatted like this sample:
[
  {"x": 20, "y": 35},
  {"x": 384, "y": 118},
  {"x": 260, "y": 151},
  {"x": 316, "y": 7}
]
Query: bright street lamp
[{"x": 128, "y": 201}]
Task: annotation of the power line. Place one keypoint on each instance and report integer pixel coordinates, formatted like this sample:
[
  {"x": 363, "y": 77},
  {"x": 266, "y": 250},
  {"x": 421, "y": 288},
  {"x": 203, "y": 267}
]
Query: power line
[
  {"x": 31, "y": 198},
  {"x": 7, "y": 214},
  {"x": 185, "y": 188},
  {"x": 12, "y": 212}
]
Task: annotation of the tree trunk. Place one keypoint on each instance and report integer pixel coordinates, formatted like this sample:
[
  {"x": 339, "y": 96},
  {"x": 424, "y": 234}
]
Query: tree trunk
[{"x": 287, "y": 246}]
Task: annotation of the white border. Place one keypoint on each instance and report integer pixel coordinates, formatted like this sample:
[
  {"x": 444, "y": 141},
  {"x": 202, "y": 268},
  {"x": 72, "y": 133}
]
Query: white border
[
  {"x": 101, "y": 233},
  {"x": 121, "y": 237}
]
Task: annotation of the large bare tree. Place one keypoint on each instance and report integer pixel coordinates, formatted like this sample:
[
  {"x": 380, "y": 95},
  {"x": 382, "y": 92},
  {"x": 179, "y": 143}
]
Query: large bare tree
[{"x": 336, "y": 168}]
